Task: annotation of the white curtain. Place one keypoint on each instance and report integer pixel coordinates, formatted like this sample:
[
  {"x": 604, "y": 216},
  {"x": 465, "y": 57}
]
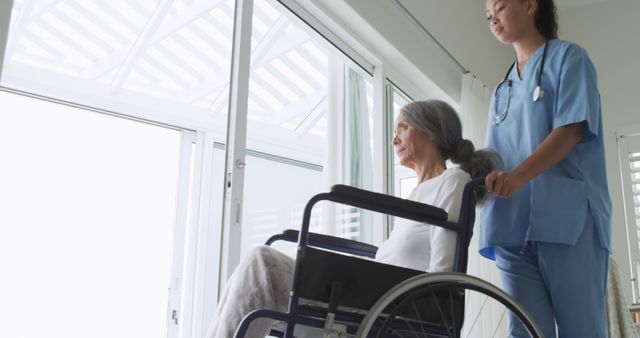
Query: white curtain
[
  {"x": 357, "y": 158},
  {"x": 348, "y": 158},
  {"x": 474, "y": 103}
]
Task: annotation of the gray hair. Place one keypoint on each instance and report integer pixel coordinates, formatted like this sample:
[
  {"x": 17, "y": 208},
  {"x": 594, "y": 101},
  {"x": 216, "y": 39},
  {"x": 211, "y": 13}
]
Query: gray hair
[{"x": 442, "y": 124}]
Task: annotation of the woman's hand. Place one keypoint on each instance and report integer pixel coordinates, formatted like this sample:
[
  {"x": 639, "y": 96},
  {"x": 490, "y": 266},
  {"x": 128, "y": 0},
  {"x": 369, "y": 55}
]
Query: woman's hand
[
  {"x": 504, "y": 184},
  {"x": 551, "y": 151}
]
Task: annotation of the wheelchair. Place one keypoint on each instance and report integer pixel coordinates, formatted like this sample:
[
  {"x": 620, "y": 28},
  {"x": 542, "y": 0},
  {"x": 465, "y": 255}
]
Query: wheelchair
[{"x": 342, "y": 295}]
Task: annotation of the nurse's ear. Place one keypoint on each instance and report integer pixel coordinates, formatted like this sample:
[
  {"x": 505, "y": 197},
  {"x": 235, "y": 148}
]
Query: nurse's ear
[{"x": 532, "y": 7}]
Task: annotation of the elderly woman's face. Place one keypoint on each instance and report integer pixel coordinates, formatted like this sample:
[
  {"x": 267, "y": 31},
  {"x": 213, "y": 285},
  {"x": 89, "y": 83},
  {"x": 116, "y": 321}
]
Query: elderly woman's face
[{"x": 409, "y": 143}]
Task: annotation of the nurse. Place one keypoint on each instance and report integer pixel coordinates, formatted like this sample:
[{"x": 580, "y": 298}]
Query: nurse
[{"x": 549, "y": 227}]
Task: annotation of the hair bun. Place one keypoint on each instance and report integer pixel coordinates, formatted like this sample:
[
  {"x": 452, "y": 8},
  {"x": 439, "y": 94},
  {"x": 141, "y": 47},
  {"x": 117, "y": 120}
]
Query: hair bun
[{"x": 462, "y": 150}]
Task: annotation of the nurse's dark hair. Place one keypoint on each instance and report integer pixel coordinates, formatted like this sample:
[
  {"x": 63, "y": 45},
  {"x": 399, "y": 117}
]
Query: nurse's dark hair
[
  {"x": 546, "y": 19},
  {"x": 442, "y": 124}
]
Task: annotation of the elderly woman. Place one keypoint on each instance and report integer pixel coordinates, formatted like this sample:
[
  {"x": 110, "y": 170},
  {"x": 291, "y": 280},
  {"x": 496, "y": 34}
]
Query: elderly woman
[{"x": 427, "y": 134}]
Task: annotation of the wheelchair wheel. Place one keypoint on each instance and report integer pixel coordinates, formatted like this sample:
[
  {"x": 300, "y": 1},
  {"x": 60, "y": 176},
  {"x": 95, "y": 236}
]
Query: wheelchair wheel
[{"x": 444, "y": 305}]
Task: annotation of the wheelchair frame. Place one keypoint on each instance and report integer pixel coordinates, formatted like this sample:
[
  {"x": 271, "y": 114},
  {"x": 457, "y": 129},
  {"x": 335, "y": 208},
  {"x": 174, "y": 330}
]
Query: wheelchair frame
[{"x": 378, "y": 295}]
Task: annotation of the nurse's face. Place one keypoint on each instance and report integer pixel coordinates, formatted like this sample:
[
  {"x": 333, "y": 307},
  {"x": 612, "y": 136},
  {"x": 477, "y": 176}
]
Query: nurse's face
[
  {"x": 410, "y": 144},
  {"x": 509, "y": 20}
]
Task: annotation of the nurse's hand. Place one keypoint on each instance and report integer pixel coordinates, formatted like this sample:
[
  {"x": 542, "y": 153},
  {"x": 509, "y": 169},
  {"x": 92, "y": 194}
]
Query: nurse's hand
[{"x": 504, "y": 184}]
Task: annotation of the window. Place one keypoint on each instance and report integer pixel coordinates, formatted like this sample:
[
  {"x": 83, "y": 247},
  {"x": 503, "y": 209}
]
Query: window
[
  {"x": 404, "y": 178},
  {"x": 87, "y": 224},
  {"x": 165, "y": 67},
  {"x": 164, "y": 62},
  {"x": 273, "y": 176},
  {"x": 629, "y": 152},
  {"x": 302, "y": 94}
]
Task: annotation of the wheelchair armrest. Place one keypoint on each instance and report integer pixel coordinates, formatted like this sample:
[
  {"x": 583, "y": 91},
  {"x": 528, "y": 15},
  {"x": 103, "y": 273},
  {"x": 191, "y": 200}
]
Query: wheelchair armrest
[
  {"x": 389, "y": 204},
  {"x": 328, "y": 242}
]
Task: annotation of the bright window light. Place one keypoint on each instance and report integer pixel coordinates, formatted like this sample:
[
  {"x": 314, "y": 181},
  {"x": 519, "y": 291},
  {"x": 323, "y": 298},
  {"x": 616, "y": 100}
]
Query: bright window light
[
  {"x": 320, "y": 128},
  {"x": 129, "y": 12},
  {"x": 216, "y": 57},
  {"x": 63, "y": 69},
  {"x": 185, "y": 55},
  {"x": 317, "y": 53},
  {"x": 265, "y": 96},
  {"x": 149, "y": 5},
  {"x": 34, "y": 48},
  {"x": 223, "y": 42},
  {"x": 297, "y": 80},
  {"x": 223, "y": 19},
  {"x": 277, "y": 84},
  {"x": 88, "y": 25},
  {"x": 80, "y": 39},
  {"x": 265, "y": 7},
  {"x": 70, "y": 55},
  {"x": 259, "y": 26},
  {"x": 179, "y": 76},
  {"x": 319, "y": 78},
  {"x": 91, "y": 9},
  {"x": 87, "y": 222}
]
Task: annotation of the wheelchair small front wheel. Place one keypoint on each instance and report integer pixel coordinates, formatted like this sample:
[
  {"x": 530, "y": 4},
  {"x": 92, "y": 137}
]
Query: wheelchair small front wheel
[{"x": 444, "y": 305}]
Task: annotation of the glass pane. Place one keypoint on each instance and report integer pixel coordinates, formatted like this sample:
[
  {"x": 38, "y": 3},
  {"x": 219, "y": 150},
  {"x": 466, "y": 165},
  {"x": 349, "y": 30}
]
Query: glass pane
[
  {"x": 287, "y": 86},
  {"x": 163, "y": 61},
  {"x": 149, "y": 58},
  {"x": 404, "y": 178},
  {"x": 277, "y": 191},
  {"x": 86, "y": 228},
  {"x": 289, "y": 122}
]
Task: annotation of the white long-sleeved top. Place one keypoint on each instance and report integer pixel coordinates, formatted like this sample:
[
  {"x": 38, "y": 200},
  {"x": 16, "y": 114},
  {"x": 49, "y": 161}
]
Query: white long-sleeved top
[{"x": 424, "y": 246}]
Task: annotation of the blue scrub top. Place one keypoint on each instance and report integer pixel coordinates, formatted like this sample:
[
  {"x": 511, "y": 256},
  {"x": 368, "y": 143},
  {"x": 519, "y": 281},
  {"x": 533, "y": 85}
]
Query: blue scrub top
[{"x": 554, "y": 206}]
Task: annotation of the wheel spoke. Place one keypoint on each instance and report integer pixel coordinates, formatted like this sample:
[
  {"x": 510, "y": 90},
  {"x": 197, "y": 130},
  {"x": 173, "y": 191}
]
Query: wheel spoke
[
  {"x": 453, "y": 315},
  {"x": 415, "y": 308},
  {"x": 442, "y": 316},
  {"x": 475, "y": 320},
  {"x": 499, "y": 322}
]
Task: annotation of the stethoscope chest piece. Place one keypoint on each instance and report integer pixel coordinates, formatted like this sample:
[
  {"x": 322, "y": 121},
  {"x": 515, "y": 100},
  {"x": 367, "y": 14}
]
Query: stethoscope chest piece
[{"x": 538, "y": 93}]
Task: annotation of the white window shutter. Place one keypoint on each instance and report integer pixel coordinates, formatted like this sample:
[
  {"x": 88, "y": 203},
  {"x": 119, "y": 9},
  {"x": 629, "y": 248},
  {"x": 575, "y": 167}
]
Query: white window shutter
[{"x": 629, "y": 154}]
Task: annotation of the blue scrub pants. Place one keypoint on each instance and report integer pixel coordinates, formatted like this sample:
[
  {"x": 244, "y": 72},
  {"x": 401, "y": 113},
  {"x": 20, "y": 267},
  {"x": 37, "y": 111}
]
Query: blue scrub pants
[{"x": 558, "y": 284}]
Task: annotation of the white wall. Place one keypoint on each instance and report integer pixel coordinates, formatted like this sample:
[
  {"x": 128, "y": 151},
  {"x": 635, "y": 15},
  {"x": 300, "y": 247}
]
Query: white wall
[
  {"x": 459, "y": 25},
  {"x": 462, "y": 28},
  {"x": 609, "y": 31}
]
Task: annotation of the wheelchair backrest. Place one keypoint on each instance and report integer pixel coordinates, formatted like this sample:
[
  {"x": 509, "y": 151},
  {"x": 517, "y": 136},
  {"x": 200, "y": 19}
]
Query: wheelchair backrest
[
  {"x": 367, "y": 279},
  {"x": 466, "y": 221}
]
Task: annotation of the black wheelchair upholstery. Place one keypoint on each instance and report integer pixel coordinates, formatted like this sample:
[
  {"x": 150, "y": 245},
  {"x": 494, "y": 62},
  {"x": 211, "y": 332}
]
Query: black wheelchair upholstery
[{"x": 350, "y": 285}]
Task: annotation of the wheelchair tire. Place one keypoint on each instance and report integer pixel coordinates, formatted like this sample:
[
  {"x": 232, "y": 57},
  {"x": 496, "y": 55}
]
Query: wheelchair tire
[{"x": 396, "y": 314}]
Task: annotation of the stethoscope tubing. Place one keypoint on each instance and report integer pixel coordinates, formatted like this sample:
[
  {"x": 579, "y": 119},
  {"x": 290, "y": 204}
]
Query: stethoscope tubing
[{"x": 537, "y": 93}]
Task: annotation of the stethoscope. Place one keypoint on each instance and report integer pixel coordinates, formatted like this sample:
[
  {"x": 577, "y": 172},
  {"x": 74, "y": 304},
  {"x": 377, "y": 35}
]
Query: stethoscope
[{"x": 538, "y": 92}]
